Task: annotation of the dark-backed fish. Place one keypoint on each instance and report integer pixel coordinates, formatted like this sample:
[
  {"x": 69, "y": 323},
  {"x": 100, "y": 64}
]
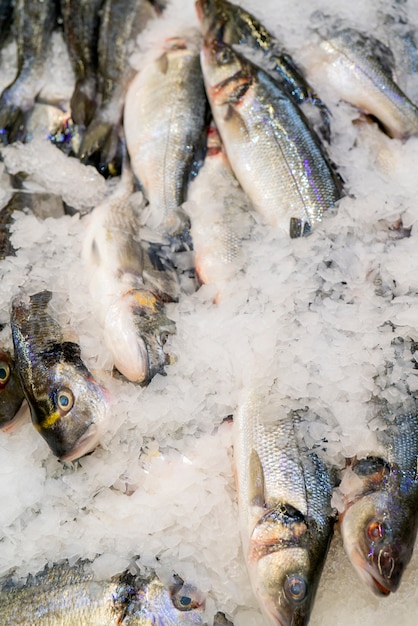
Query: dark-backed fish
[
  {"x": 275, "y": 155},
  {"x": 286, "y": 519},
  {"x": 11, "y": 392},
  {"x": 70, "y": 595},
  {"x": 34, "y": 21},
  {"x": 67, "y": 405}
]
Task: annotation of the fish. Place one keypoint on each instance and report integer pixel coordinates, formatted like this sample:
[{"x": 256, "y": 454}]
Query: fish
[
  {"x": 81, "y": 31},
  {"x": 238, "y": 28},
  {"x": 285, "y": 513},
  {"x": 121, "y": 22},
  {"x": 220, "y": 217},
  {"x": 34, "y": 21},
  {"x": 378, "y": 510},
  {"x": 275, "y": 155},
  {"x": 163, "y": 148},
  {"x": 11, "y": 392},
  {"x": 68, "y": 595},
  {"x": 67, "y": 405},
  {"x": 6, "y": 12},
  {"x": 129, "y": 287},
  {"x": 359, "y": 68}
]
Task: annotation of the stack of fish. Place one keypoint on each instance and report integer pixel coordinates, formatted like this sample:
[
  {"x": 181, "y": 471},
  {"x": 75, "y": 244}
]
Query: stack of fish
[{"x": 265, "y": 155}]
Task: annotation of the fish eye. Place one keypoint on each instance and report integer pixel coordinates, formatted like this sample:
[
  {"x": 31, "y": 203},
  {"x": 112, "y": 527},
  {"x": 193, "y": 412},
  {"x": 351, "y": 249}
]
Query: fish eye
[
  {"x": 65, "y": 400},
  {"x": 223, "y": 55},
  {"x": 375, "y": 530},
  {"x": 295, "y": 588},
  {"x": 183, "y": 598},
  {"x": 4, "y": 372}
]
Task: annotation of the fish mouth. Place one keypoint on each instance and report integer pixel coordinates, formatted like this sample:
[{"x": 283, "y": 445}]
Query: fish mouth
[
  {"x": 22, "y": 415},
  {"x": 87, "y": 443},
  {"x": 377, "y": 584}
]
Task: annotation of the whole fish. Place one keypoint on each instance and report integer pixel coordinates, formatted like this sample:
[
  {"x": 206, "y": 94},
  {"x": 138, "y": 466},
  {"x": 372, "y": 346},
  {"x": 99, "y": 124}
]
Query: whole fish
[
  {"x": 69, "y": 595},
  {"x": 379, "y": 506},
  {"x": 220, "y": 220},
  {"x": 67, "y": 405},
  {"x": 11, "y": 392},
  {"x": 121, "y": 22},
  {"x": 360, "y": 69},
  {"x": 286, "y": 519},
  {"x": 81, "y": 30},
  {"x": 275, "y": 156},
  {"x": 128, "y": 287},
  {"x": 163, "y": 147},
  {"x": 34, "y": 21},
  {"x": 235, "y": 26}
]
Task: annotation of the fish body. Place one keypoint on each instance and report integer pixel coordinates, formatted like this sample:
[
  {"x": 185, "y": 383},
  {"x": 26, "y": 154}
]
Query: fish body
[
  {"x": 359, "y": 68},
  {"x": 220, "y": 220},
  {"x": 81, "y": 29},
  {"x": 69, "y": 595},
  {"x": 130, "y": 289},
  {"x": 378, "y": 517},
  {"x": 235, "y": 26},
  {"x": 67, "y": 405},
  {"x": 11, "y": 392},
  {"x": 286, "y": 519},
  {"x": 34, "y": 22},
  {"x": 121, "y": 22},
  {"x": 163, "y": 147},
  {"x": 275, "y": 156}
]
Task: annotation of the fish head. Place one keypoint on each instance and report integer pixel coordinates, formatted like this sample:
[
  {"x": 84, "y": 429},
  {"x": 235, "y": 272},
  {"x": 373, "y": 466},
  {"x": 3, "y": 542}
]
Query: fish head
[
  {"x": 11, "y": 392},
  {"x": 70, "y": 418},
  {"x": 379, "y": 525},
  {"x": 136, "y": 330},
  {"x": 227, "y": 75},
  {"x": 178, "y": 603},
  {"x": 286, "y": 586}
]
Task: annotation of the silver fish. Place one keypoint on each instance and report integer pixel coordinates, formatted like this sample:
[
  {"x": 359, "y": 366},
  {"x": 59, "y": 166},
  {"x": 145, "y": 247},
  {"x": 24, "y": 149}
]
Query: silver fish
[
  {"x": 129, "y": 288},
  {"x": 163, "y": 148},
  {"x": 34, "y": 22},
  {"x": 67, "y": 405},
  {"x": 286, "y": 519},
  {"x": 121, "y": 22},
  {"x": 379, "y": 505},
  {"x": 360, "y": 69},
  {"x": 275, "y": 156},
  {"x": 69, "y": 595}
]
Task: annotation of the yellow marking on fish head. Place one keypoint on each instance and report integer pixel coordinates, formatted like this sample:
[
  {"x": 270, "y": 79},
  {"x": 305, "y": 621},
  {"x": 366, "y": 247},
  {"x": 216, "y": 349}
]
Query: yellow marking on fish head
[
  {"x": 50, "y": 420},
  {"x": 145, "y": 299}
]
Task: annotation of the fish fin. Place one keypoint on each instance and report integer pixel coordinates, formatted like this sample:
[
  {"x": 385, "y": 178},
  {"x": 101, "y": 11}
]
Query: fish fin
[
  {"x": 256, "y": 480},
  {"x": 298, "y": 228}
]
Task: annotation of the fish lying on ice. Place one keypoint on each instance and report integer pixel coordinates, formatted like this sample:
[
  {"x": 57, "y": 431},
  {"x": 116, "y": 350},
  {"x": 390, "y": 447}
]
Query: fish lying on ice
[
  {"x": 379, "y": 506},
  {"x": 70, "y": 595},
  {"x": 286, "y": 519},
  {"x": 237, "y": 27},
  {"x": 359, "y": 68},
  {"x": 163, "y": 147},
  {"x": 219, "y": 213},
  {"x": 129, "y": 289},
  {"x": 67, "y": 405},
  {"x": 121, "y": 22},
  {"x": 34, "y": 21},
  {"x": 275, "y": 156},
  {"x": 11, "y": 392},
  {"x": 81, "y": 21}
]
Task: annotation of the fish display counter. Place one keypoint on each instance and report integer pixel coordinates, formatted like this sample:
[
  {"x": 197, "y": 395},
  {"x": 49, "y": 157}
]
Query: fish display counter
[{"x": 208, "y": 312}]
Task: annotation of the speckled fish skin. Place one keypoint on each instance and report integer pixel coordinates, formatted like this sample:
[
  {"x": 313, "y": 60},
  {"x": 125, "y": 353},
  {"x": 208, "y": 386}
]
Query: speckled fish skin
[
  {"x": 130, "y": 289},
  {"x": 11, "y": 392},
  {"x": 284, "y": 494},
  {"x": 235, "y": 26},
  {"x": 81, "y": 30},
  {"x": 67, "y": 405},
  {"x": 275, "y": 156},
  {"x": 121, "y": 22},
  {"x": 163, "y": 148},
  {"x": 34, "y": 23},
  {"x": 358, "y": 66},
  {"x": 69, "y": 595},
  {"x": 380, "y": 514}
]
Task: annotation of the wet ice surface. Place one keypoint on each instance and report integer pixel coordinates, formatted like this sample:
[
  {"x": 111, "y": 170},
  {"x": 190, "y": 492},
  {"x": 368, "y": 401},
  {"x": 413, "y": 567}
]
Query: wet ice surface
[{"x": 317, "y": 314}]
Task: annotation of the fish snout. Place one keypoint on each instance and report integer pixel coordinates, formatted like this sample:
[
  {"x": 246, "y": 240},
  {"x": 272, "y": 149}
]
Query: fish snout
[{"x": 388, "y": 565}]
